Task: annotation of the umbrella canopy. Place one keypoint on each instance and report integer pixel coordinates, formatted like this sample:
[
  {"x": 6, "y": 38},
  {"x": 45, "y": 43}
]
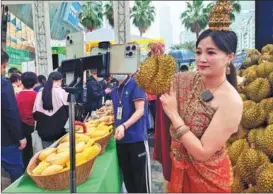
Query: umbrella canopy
[{"x": 183, "y": 56}]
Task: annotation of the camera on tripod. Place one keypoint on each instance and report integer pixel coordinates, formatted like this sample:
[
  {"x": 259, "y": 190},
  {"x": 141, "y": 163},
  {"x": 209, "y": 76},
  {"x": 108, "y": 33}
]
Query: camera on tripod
[{"x": 104, "y": 59}]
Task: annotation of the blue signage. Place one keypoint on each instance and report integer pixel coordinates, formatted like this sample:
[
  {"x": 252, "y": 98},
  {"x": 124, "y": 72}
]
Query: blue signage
[
  {"x": 239, "y": 59},
  {"x": 263, "y": 26}
]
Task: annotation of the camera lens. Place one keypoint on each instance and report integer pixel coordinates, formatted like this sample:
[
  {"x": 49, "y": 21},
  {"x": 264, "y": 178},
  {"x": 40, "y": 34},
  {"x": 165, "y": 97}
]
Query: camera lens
[
  {"x": 130, "y": 54},
  {"x": 134, "y": 47},
  {"x": 128, "y": 48},
  {"x": 71, "y": 41},
  {"x": 68, "y": 37}
]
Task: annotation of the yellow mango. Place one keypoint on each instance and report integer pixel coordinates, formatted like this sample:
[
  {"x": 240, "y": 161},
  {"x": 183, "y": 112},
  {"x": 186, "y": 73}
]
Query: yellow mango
[
  {"x": 80, "y": 159},
  {"x": 66, "y": 168},
  {"x": 80, "y": 147},
  {"x": 89, "y": 143},
  {"x": 63, "y": 145},
  {"x": 84, "y": 138},
  {"x": 40, "y": 168},
  {"x": 50, "y": 157},
  {"x": 53, "y": 169},
  {"x": 59, "y": 150},
  {"x": 97, "y": 133},
  {"x": 60, "y": 158},
  {"x": 45, "y": 153},
  {"x": 91, "y": 152},
  {"x": 101, "y": 125}
]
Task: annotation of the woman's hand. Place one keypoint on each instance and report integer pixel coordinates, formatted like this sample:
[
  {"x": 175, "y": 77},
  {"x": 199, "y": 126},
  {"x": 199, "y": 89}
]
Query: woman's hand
[{"x": 169, "y": 103}]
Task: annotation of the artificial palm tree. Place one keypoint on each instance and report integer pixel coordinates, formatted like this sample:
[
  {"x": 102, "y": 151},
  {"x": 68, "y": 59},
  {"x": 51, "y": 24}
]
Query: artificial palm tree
[
  {"x": 91, "y": 15},
  {"x": 109, "y": 13},
  {"x": 143, "y": 14}
]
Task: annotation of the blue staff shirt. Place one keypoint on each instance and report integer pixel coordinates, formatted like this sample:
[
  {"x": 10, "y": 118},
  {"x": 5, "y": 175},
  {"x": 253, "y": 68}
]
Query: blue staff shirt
[{"x": 128, "y": 93}]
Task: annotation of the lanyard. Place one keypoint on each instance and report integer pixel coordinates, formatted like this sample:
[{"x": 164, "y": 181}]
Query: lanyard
[{"x": 120, "y": 96}]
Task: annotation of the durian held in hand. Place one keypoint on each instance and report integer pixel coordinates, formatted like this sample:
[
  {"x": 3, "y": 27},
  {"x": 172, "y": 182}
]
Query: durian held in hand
[{"x": 156, "y": 74}]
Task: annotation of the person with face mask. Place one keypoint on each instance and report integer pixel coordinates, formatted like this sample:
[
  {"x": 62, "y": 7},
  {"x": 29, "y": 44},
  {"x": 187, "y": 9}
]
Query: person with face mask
[
  {"x": 95, "y": 93},
  {"x": 131, "y": 111}
]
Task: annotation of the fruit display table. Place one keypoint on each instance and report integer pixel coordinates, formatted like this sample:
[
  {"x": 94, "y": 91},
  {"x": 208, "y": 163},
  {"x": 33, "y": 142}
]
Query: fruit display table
[{"x": 105, "y": 177}]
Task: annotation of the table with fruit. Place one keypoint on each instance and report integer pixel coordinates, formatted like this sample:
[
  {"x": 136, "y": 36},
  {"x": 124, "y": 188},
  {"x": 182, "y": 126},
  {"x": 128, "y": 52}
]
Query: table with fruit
[{"x": 94, "y": 142}]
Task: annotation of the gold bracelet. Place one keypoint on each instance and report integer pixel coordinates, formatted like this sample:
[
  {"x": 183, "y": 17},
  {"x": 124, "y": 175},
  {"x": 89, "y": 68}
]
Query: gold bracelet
[{"x": 180, "y": 132}]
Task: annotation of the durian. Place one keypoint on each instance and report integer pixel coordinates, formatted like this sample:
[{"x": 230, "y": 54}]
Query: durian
[
  {"x": 249, "y": 69},
  {"x": 237, "y": 186},
  {"x": 251, "y": 189},
  {"x": 243, "y": 96},
  {"x": 258, "y": 89},
  {"x": 267, "y": 49},
  {"x": 270, "y": 78},
  {"x": 264, "y": 69},
  {"x": 235, "y": 150},
  {"x": 267, "y": 105},
  {"x": 253, "y": 115},
  {"x": 248, "y": 163},
  {"x": 269, "y": 119},
  {"x": 250, "y": 76},
  {"x": 251, "y": 136},
  {"x": 240, "y": 134},
  {"x": 264, "y": 178},
  {"x": 156, "y": 74},
  {"x": 266, "y": 58}
]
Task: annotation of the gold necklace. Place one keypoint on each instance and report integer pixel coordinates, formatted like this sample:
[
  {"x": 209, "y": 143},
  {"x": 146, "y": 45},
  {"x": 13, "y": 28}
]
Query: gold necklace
[{"x": 208, "y": 95}]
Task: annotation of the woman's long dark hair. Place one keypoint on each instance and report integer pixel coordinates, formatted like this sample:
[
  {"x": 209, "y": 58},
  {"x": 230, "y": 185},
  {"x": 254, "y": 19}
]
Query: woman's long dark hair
[
  {"x": 47, "y": 91},
  {"x": 226, "y": 41}
]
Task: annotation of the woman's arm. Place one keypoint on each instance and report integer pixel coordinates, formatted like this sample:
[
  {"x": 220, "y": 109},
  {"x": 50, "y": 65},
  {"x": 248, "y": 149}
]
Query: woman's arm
[{"x": 224, "y": 123}]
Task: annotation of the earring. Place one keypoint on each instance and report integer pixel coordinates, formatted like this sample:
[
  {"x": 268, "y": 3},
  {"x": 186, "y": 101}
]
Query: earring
[{"x": 228, "y": 69}]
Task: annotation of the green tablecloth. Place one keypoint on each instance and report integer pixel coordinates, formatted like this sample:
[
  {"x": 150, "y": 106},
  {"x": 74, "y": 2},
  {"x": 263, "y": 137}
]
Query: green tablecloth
[{"x": 105, "y": 176}]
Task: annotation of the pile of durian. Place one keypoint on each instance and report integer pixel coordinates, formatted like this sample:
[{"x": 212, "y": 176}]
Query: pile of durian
[{"x": 251, "y": 148}]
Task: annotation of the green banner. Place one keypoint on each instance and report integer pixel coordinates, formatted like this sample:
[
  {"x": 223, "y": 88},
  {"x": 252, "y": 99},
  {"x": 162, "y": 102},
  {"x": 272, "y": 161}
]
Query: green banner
[
  {"x": 58, "y": 50},
  {"x": 17, "y": 56}
]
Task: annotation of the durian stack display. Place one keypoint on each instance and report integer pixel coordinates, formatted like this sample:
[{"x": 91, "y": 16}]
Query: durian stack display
[
  {"x": 156, "y": 74},
  {"x": 251, "y": 149}
]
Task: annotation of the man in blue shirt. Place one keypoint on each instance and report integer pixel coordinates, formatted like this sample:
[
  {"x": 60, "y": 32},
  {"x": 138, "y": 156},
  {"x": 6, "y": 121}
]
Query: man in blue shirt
[
  {"x": 12, "y": 139},
  {"x": 131, "y": 111}
]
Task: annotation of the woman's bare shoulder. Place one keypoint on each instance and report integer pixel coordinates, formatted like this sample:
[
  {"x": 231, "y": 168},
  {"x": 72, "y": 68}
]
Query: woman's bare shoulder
[{"x": 231, "y": 99}]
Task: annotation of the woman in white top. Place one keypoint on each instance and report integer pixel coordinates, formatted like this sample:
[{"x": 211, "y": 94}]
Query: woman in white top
[{"x": 51, "y": 110}]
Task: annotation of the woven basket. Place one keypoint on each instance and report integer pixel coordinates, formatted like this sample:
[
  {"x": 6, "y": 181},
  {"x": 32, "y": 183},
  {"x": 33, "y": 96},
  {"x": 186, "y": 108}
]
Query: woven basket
[
  {"x": 103, "y": 141},
  {"x": 59, "y": 181}
]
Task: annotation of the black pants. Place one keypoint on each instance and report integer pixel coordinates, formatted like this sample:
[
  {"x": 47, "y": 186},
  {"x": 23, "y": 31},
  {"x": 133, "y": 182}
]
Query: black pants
[
  {"x": 152, "y": 108},
  {"x": 132, "y": 159},
  {"x": 28, "y": 151}
]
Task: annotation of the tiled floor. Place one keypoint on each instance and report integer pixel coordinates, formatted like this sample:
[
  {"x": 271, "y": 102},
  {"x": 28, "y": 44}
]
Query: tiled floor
[{"x": 157, "y": 177}]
